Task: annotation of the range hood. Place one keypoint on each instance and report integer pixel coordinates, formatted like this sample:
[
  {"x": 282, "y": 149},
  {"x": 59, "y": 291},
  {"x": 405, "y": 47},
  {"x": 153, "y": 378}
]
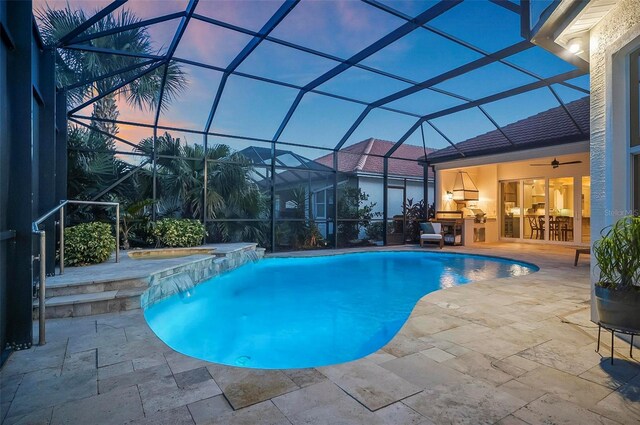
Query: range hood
[{"x": 464, "y": 189}]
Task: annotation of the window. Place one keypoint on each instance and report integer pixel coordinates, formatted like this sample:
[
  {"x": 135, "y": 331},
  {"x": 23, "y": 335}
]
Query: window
[{"x": 320, "y": 204}]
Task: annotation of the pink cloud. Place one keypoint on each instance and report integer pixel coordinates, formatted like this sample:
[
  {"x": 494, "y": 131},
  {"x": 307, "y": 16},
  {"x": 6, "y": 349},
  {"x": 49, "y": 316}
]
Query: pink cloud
[
  {"x": 210, "y": 44},
  {"x": 251, "y": 14},
  {"x": 339, "y": 27}
]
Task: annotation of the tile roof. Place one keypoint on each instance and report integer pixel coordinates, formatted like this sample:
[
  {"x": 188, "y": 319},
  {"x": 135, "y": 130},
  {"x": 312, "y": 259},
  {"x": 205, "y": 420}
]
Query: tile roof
[
  {"x": 366, "y": 157},
  {"x": 551, "y": 127}
]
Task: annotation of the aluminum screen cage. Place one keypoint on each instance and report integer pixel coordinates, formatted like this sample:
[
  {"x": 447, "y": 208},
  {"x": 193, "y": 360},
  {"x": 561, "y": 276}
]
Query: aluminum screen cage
[{"x": 284, "y": 94}]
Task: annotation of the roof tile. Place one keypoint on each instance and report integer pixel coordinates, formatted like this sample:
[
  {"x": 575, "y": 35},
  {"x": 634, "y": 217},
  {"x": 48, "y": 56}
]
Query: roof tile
[
  {"x": 552, "y": 126},
  {"x": 366, "y": 157}
]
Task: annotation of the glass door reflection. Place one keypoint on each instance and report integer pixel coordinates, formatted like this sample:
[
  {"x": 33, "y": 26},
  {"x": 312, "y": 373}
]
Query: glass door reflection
[
  {"x": 510, "y": 209},
  {"x": 561, "y": 209},
  {"x": 534, "y": 207}
]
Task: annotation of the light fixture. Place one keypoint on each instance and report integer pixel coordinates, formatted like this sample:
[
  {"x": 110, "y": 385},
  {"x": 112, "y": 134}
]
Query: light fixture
[
  {"x": 575, "y": 45},
  {"x": 449, "y": 196},
  {"x": 464, "y": 189}
]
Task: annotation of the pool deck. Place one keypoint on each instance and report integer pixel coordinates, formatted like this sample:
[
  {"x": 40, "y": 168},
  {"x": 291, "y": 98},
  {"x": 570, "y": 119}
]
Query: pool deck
[{"x": 508, "y": 351}]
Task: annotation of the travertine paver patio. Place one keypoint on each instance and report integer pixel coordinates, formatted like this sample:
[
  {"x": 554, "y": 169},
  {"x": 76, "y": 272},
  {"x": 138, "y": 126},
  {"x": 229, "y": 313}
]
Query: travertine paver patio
[{"x": 510, "y": 351}]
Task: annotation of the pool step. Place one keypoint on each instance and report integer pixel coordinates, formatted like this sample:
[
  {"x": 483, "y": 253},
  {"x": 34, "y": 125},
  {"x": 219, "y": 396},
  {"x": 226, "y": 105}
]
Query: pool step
[
  {"x": 77, "y": 298},
  {"x": 86, "y": 304},
  {"x": 106, "y": 288},
  {"x": 59, "y": 289}
]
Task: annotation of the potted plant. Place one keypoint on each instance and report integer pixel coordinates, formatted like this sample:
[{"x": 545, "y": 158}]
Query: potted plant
[{"x": 617, "y": 256}]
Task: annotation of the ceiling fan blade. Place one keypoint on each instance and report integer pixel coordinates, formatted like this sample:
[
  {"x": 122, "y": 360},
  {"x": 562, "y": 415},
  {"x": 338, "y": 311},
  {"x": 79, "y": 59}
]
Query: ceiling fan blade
[
  {"x": 540, "y": 165},
  {"x": 570, "y": 162}
]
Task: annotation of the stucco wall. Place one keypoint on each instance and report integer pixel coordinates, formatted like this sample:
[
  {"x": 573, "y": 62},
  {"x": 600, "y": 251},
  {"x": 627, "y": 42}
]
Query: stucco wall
[
  {"x": 609, "y": 139},
  {"x": 610, "y": 42}
]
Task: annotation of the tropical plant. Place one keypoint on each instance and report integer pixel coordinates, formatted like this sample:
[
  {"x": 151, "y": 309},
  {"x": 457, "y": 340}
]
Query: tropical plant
[
  {"x": 82, "y": 65},
  {"x": 88, "y": 243},
  {"x": 303, "y": 232},
  {"x": 135, "y": 223},
  {"x": 231, "y": 194},
  {"x": 352, "y": 205},
  {"x": 375, "y": 231},
  {"x": 415, "y": 213},
  {"x": 174, "y": 232},
  {"x": 617, "y": 254},
  {"x": 93, "y": 166}
]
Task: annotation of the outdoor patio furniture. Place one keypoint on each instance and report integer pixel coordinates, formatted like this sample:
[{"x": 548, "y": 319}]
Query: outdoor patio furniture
[
  {"x": 578, "y": 252},
  {"x": 554, "y": 225},
  {"x": 614, "y": 329},
  {"x": 427, "y": 236}
]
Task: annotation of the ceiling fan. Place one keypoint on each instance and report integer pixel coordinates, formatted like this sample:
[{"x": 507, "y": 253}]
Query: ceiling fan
[{"x": 555, "y": 163}]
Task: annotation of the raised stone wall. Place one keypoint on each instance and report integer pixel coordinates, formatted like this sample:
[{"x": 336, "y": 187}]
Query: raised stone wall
[{"x": 160, "y": 284}]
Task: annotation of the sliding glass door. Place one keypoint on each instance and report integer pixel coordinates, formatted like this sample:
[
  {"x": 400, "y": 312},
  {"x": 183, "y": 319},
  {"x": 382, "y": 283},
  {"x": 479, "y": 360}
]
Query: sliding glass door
[
  {"x": 510, "y": 209},
  {"x": 561, "y": 209},
  {"x": 535, "y": 192},
  {"x": 555, "y": 210}
]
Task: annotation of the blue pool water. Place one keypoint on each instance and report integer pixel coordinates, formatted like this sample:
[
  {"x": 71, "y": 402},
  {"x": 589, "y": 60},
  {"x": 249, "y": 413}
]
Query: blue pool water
[{"x": 314, "y": 311}]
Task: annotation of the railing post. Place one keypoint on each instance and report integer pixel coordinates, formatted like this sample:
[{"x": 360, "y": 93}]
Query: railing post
[
  {"x": 42, "y": 288},
  {"x": 117, "y": 233},
  {"x": 62, "y": 240}
]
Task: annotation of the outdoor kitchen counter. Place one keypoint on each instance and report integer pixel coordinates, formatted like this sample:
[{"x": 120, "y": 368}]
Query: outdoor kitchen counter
[{"x": 479, "y": 232}]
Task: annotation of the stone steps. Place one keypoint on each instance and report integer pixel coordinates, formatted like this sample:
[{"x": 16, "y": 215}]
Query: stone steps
[
  {"x": 63, "y": 289},
  {"x": 86, "y": 304},
  {"x": 109, "y": 287}
]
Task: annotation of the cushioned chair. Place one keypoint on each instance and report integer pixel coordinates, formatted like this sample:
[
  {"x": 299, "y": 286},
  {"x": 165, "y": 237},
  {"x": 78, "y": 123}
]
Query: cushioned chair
[{"x": 431, "y": 232}]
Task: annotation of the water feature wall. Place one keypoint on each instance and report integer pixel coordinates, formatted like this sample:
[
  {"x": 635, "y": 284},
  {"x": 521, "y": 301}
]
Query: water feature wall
[{"x": 181, "y": 279}]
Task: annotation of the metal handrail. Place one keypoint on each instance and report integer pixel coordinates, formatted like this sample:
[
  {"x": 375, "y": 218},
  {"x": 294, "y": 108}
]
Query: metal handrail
[{"x": 43, "y": 250}]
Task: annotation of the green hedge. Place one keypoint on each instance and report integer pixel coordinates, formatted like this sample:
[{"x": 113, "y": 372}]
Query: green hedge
[
  {"x": 88, "y": 243},
  {"x": 173, "y": 232}
]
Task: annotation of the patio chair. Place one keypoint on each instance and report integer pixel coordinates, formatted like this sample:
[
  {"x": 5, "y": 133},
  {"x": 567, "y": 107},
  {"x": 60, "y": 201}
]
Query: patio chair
[{"x": 431, "y": 232}]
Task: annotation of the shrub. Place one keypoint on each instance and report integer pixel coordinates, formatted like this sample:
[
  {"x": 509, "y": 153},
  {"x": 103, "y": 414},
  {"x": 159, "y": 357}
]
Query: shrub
[
  {"x": 375, "y": 231},
  {"x": 352, "y": 204},
  {"x": 88, "y": 243},
  {"x": 175, "y": 232}
]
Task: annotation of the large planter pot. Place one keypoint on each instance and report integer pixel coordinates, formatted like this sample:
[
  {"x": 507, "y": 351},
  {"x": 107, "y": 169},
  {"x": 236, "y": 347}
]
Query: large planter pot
[{"x": 618, "y": 308}]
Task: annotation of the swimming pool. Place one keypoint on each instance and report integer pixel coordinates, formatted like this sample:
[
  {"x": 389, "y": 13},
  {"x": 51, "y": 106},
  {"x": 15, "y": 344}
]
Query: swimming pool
[{"x": 300, "y": 312}]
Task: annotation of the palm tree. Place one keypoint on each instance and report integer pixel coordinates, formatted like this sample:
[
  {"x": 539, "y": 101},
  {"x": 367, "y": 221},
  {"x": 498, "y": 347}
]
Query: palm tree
[
  {"x": 231, "y": 194},
  {"x": 77, "y": 65}
]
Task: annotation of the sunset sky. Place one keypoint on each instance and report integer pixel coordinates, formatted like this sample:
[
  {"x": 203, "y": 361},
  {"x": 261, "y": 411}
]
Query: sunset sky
[{"x": 252, "y": 108}]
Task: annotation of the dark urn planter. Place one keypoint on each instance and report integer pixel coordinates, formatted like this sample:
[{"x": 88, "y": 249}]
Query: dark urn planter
[{"x": 620, "y": 309}]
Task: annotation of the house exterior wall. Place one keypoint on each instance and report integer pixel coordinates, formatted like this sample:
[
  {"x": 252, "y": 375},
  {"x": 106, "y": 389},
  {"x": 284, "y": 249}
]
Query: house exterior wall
[
  {"x": 374, "y": 187},
  {"x": 487, "y": 172},
  {"x": 611, "y": 41}
]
